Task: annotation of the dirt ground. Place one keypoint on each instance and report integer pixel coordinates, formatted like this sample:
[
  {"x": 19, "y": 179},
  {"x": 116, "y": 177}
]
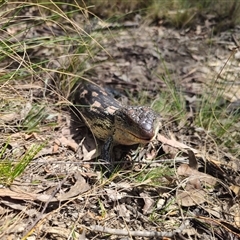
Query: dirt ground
[{"x": 62, "y": 193}]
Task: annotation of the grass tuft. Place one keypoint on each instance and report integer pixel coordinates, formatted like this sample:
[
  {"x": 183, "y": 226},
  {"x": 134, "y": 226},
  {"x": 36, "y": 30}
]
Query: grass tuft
[{"x": 10, "y": 169}]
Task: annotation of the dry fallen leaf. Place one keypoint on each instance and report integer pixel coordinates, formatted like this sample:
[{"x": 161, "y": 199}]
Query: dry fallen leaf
[
  {"x": 175, "y": 144},
  {"x": 237, "y": 215},
  {"x": 237, "y": 219},
  {"x": 9, "y": 117},
  {"x": 123, "y": 212},
  {"x": 191, "y": 197},
  {"x": 148, "y": 203},
  {"x": 44, "y": 152},
  {"x": 46, "y": 198},
  {"x": 79, "y": 187},
  {"x": 21, "y": 195},
  {"x": 69, "y": 143},
  {"x": 88, "y": 155},
  {"x": 55, "y": 148},
  {"x": 194, "y": 183},
  {"x": 192, "y": 160},
  {"x": 20, "y": 207},
  {"x": 115, "y": 195},
  {"x": 194, "y": 175},
  {"x": 25, "y": 110},
  {"x": 5, "y": 192},
  {"x": 62, "y": 233},
  {"x": 235, "y": 189},
  {"x": 185, "y": 170}
]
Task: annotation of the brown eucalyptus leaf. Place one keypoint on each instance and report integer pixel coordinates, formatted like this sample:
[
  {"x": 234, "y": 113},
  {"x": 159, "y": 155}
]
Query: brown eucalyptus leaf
[
  {"x": 191, "y": 197},
  {"x": 148, "y": 203},
  {"x": 79, "y": 187}
]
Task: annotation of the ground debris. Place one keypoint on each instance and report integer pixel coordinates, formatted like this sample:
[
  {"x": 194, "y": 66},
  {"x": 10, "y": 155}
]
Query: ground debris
[{"x": 181, "y": 179}]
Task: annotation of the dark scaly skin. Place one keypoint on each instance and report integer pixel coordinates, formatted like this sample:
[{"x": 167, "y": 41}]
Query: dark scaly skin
[{"x": 113, "y": 123}]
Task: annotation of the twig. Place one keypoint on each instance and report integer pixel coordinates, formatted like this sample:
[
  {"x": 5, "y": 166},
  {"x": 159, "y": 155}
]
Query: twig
[
  {"x": 125, "y": 232},
  {"x": 178, "y": 159},
  {"x": 235, "y": 41},
  {"x": 224, "y": 65}
]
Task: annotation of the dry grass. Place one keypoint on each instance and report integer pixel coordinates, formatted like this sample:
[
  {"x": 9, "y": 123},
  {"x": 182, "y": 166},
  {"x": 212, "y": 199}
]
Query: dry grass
[
  {"x": 177, "y": 13},
  {"x": 46, "y": 48}
]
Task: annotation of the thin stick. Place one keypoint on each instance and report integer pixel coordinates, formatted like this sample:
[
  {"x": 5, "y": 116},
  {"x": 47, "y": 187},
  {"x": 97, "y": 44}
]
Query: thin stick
[{"x": 125, "y": 232}]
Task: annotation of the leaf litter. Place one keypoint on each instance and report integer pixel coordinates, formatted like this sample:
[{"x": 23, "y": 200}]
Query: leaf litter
[{"x": 63, "y": 189}]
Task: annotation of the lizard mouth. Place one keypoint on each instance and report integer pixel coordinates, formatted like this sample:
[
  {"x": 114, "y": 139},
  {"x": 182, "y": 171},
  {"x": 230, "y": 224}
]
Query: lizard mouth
[
  {"x": 130, "y": 138},
  {"x": 147, "y": 138},
  {"x": 144, "y": 134}
]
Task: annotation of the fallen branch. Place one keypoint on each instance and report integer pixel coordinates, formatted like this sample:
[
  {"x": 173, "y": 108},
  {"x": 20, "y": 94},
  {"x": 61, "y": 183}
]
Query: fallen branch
[{"x": 125, "y": 232}]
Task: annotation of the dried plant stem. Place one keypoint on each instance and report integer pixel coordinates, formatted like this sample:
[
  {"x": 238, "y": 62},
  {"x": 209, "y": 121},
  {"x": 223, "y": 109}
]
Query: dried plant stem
[{"x": 125, "y": 232}]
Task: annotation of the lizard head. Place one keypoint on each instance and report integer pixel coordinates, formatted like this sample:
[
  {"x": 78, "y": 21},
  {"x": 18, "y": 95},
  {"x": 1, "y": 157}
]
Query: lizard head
[{"x": 135, "y": 125}]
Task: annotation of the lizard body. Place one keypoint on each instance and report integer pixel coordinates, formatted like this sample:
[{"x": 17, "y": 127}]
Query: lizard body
[{"x": 111, "y": 122}]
